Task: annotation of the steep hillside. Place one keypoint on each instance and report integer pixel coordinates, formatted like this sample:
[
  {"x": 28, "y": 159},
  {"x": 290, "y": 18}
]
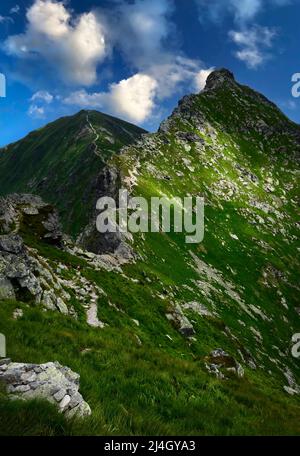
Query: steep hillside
[
  {"x": 62, "y": 162},
  {"x": 176, "y": 338},
  {"x": 232, "y": 146}
]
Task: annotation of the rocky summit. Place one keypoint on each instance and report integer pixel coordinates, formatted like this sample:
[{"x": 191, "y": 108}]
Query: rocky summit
[{"x": 167, "y": 337}]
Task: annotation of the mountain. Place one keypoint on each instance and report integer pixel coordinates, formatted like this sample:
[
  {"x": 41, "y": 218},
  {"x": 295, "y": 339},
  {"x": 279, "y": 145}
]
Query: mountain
[
  {"x": 62, "y": 162},
  {"x": 169, "y": 338}
]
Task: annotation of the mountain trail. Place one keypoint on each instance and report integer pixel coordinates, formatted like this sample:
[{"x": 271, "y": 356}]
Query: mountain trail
[{"x": 96, "y": 151}]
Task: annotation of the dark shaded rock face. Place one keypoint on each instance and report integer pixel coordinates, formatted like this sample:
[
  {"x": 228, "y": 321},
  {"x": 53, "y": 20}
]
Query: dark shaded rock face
[
  {"x": 218, "y": 78},
  {"x": 108, "y": 185},
  {"x": 22, "y": 275}
]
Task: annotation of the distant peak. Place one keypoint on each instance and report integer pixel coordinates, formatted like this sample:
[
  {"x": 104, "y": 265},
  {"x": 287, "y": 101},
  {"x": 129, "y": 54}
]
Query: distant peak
[{"x": 219, "y": 77}]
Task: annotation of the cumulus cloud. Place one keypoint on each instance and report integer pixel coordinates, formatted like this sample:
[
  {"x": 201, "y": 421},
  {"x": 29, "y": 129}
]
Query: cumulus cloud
[
  {"x": 71, "y": 46},
  {"x": 136, "y": 98},
  {"x": 132, "y": 98},
  {"x": 253, "y": 44},
  {"x": 141, "y": 31}
]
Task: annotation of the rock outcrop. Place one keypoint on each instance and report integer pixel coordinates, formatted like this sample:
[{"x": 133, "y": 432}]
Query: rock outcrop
[
  {"x": 222, "y": 365},
  {"x": 23, "y": 274},
  {"x": 51, "y": 381}
]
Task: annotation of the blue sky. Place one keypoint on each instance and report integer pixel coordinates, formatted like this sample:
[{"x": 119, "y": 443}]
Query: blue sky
[{"x": 136, "y": 58}]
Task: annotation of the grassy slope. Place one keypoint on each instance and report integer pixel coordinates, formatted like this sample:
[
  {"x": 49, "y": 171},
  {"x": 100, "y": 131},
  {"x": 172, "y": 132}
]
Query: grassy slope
[{"x": 162, "y": 386}]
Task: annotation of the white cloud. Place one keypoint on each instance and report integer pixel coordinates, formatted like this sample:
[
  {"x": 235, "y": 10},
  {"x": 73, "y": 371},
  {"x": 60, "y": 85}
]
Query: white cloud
[
  {"x": 36, "y": 111},
  {"x": 242, "y": 10},
  {"x": 136, "y": 98},
  {"x": 201, "y": 77},
  {"x": 140, "y": 29},
  {"x": 254, "y": 44},
  {"x": 39, "y": 101},
  {"x": 144, "y": 33},
  {"x": 71, "y": 46},
  {"x": 42, "y": 95},
  {"x": 131, "y": 98}
]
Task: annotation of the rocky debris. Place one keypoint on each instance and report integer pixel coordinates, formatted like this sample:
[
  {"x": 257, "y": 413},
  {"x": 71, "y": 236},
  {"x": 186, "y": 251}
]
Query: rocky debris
[
  {"x": 292, "y": 388},
  {"x": 189, "y": 137},
  {"x": 24, "y": 275},
  {"x": 198, "y": 308},
  {"x": 271, "y": 276},
  {"x": 30, "y": 213},
  {"x": 213, "y": 283},
  {"x": 246, "y": 174},
  {"x": 27, "y": 277},
  {"x": 18, "y": 313},
  {"x": 222, "y": 365},
  {"x": 51, "y": 381},
  {"x": 180, "y": 321}
]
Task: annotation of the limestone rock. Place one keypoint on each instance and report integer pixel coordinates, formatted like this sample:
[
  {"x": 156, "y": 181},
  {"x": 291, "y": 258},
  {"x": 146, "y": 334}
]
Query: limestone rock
[
  {"x": 180, "y": 321},
  {"x": 51, "y": 381}
]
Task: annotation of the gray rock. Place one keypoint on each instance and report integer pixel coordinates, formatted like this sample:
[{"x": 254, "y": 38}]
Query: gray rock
[
  {"x": 60, "y": 395},
  {"x": 11, "y": 243},
  {"x": 220, "y": 364},
  {"x": 180, "y": 321},
  {"x": 18, "y": 313},
  {"x": 51, "y": 381},
  {"x": 6, "y": 288}
]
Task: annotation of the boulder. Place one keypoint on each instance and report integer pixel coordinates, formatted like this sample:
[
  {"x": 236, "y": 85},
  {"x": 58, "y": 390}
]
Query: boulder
[{"x": 51, "y": 381}]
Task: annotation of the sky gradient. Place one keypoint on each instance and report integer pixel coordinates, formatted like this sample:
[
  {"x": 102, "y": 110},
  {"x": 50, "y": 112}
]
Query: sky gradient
[{"x": 136, "y": 59}]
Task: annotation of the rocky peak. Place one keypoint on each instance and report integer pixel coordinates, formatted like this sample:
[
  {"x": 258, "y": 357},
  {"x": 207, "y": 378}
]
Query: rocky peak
[{"x": 218, "y": 78}]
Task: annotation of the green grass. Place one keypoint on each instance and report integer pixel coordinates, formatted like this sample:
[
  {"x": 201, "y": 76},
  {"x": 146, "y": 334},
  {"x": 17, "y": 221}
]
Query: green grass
[{"x": 136, "y": 390}]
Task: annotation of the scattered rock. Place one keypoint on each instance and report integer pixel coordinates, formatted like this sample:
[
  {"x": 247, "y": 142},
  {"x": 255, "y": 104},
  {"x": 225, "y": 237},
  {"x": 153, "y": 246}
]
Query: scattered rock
[
  {"x": 198, "y": 308},
  {"x": 221, "y": 364},
  {"x": 180, "y": 321},
  {"x": 18, "y": 313}
]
